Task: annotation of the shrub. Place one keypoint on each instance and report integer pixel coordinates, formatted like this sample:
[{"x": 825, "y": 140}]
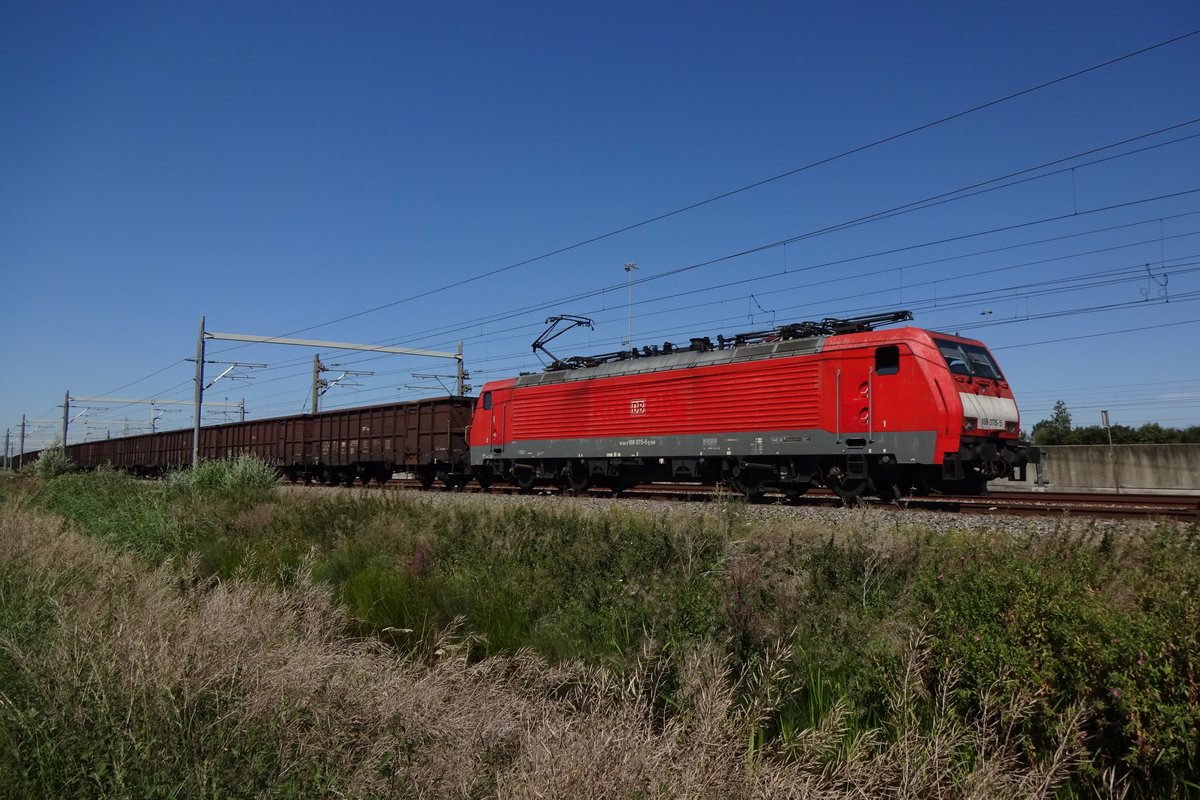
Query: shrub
[
  {"x": 1072, "y": 619},
  {"x": 51, "y": 462},
  {"x": 243, "y": 478}
]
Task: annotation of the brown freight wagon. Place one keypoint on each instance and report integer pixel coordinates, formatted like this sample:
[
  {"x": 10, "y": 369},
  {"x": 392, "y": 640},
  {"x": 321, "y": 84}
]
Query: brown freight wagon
[
  {"x": 143, "y": 454},
  {"x": 424, "y": 437},
  {"x": 427, "y": 438}
]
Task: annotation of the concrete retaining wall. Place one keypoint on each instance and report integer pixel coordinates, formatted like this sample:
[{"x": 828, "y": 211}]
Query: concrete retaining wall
[{"x": 1138, "y": 467}]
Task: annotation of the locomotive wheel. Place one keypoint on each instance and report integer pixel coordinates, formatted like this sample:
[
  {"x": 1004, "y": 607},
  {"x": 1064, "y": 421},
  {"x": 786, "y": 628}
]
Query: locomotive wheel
[
  {"x": 578, "y": 478},
  {"x": 524, "y": 481},
  {"x": 748, "y": 482},
  {"x": 748, "y": 486},
  {"x": 793, "y": 491},
  {"x": 849, "y": 491}
]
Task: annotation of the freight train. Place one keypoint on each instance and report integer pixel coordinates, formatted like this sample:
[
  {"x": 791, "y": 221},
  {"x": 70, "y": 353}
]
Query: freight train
[{"x": 837, "y": 403}]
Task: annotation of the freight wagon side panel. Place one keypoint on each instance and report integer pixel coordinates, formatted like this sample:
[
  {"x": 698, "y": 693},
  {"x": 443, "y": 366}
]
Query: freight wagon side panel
[
  {"x": 295, "y": 437},
  {"x": 403, "y": 434},
  {"x": 176, "y": 449},
  {"x": 329, "y": 438},
  {"x": 434, "y": 431}
]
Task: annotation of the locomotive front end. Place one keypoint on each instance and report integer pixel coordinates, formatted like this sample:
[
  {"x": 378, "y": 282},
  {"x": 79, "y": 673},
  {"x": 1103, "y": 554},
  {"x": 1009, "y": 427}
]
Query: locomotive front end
[{"x": 985, "y": 422}]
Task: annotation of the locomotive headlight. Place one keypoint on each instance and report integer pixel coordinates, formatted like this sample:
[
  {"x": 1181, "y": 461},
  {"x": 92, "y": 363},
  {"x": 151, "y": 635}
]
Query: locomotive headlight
[
  {"x": 969, "y": 424},
  {"x": 1010, "y": 427}
]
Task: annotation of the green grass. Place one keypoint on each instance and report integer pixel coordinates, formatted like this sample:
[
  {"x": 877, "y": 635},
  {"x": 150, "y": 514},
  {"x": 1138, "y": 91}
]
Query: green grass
[
  {"x": 243, "y": 480},
  {"x": 1044, "y": 622}
]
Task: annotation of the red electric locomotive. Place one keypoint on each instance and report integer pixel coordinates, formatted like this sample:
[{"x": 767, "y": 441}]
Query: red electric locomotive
[{"x": 833, "y": 403}]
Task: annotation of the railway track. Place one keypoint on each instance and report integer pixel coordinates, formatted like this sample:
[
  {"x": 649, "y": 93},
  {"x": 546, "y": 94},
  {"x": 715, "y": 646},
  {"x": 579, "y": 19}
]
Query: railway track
[{"x": 1183, "y": 508}]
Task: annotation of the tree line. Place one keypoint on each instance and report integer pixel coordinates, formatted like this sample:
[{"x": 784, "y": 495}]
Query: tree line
[{"x": 1058, "y": 430}]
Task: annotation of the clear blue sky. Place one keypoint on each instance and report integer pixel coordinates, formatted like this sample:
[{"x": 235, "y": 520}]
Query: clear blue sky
[{"x": 275, "y": 166}]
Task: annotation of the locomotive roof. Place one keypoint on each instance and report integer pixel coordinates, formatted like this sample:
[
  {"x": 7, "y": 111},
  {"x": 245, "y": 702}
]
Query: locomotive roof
[
  {"x": 680, "y": 359},
  {"x": 759, "y": 351},
  {"x": 793, "y": 339}
]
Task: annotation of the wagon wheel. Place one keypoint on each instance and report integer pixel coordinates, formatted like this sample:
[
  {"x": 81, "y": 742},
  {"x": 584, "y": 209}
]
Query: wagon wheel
[{"x": 425, "y": 479}]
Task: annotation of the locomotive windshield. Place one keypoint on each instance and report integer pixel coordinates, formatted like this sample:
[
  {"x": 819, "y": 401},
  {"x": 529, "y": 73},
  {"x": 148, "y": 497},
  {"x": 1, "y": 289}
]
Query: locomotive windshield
[{"x": 968, "y": 359}]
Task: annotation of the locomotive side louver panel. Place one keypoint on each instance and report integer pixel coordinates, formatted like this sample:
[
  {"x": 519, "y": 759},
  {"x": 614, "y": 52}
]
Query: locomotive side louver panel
[{"x": 775, "y": 395}]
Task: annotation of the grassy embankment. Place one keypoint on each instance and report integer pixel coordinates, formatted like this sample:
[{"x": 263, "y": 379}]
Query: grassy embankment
[{"x": 211, "y": 636}]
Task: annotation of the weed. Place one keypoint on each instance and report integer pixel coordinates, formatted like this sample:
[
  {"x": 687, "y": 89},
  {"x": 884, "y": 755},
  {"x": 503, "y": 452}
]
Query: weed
[
  {"x": 789, "y": 644},
  {"x": 51, "y": 462},
  {"x": 243, "y": 479}
]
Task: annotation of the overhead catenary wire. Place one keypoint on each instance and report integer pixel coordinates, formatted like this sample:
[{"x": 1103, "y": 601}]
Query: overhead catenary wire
[
  {"x": 909, "y": 207},
  {"x": 763, "y": 182},
  {"x": 947, "y": 300},
  {"x": 750, "y": 186},
  {"x": 937, "y": 199},
  {"x": 952, "y": 278},
  {"x": 880, "y": 253}
]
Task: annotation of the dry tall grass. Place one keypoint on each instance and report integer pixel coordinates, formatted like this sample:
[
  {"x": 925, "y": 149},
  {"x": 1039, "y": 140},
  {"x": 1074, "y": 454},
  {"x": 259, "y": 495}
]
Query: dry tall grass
[{"x": 197, "y": 688}]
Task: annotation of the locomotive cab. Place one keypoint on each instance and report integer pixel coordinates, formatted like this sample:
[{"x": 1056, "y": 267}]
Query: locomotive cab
[{"x": 984, "y": 420}]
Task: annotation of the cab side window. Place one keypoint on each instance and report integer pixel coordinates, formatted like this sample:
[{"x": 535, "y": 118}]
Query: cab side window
[
  {"x": 887, "y": 360},
  {"x": 487, "y": 401}
]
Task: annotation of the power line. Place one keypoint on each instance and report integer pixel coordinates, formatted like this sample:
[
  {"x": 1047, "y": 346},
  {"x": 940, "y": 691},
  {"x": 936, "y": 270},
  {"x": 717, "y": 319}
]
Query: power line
[
  {"x": 921, "y": 245},
  {"x": 1123, "y": 274},
  {"x": 928, "y": 202},
  {"x": 763, "y": 182},
  {"x": 1059, "y": 340},
  {"x": 877, "y": 216}
]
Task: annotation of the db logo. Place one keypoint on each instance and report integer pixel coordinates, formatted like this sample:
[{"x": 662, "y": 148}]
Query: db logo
[{"x": 637, "y": 407}]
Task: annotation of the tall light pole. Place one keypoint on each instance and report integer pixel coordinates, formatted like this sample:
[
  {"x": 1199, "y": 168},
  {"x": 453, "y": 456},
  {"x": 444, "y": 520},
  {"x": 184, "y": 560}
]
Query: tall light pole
[
  {"x": 1112, "y": 454},
  {"x": 629, "y": 268}
]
